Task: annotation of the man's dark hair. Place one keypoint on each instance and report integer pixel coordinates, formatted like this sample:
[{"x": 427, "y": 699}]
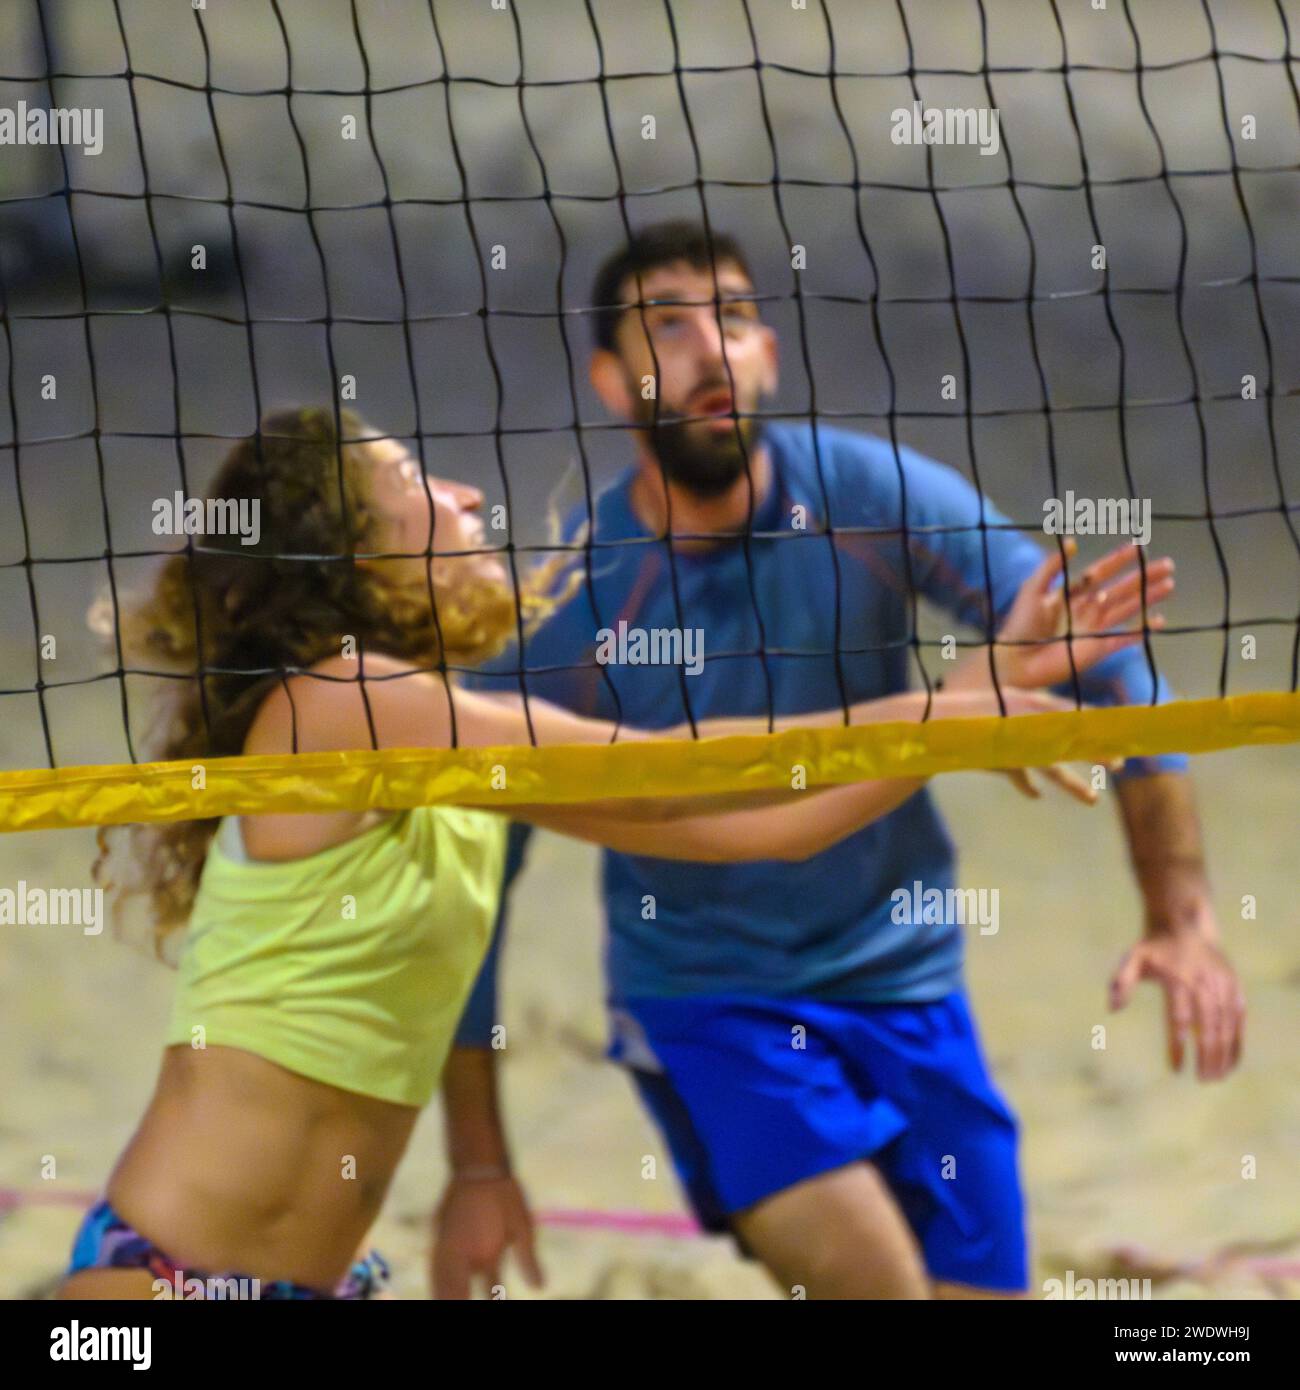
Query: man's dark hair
[{"x": 660, "y": 244}]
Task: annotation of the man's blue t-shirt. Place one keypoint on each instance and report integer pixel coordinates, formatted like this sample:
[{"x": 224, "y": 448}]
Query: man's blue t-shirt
[{"x": 813, "y": 608}]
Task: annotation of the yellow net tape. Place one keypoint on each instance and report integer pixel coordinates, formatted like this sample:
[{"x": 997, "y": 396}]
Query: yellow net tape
[{"x": 394, "y": 778}]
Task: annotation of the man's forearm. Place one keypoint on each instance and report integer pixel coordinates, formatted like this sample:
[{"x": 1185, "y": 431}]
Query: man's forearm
[
  {"x": 1167, "y": 851},
  {"x": 476, "y": 1142}
]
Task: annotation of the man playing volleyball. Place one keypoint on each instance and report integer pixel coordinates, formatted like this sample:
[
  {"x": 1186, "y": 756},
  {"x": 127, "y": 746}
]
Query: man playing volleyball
[{"x": 826, "y": 1160}]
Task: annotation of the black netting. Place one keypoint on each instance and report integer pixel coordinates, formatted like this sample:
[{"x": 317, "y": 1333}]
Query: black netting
[{"x": 1170, "y": 135}]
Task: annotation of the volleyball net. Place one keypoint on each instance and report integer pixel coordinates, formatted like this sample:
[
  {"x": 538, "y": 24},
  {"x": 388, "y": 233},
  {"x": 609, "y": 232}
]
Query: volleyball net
[{"x": 1050, "y": 244}]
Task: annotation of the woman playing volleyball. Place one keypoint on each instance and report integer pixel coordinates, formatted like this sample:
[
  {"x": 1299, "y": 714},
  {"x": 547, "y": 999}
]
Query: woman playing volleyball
[{"x": 327, "y": 957}]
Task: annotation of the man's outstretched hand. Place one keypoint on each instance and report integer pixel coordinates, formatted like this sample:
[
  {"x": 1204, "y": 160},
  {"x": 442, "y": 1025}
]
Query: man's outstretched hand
[
  {"x": 1204, "y": 1002},
  {"x": 1106, "y": 595}
]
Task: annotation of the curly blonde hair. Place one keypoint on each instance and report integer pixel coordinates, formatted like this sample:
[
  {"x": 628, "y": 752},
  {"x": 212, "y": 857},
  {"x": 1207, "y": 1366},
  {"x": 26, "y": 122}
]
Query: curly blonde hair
[{"x": 230, "y": 621}]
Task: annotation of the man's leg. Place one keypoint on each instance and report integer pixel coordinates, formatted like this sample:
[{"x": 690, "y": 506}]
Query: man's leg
[
  {"x": 768, "y": 1139},
  {"x": 958, "y": 1291},
  {"x": 837, "y": 1235},
  {"x": 955, "y": 1171}
]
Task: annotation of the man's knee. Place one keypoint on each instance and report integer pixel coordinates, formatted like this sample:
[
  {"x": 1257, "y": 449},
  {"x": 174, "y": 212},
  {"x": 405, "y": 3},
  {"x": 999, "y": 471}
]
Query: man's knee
[{"x": 840, "y": 1234}]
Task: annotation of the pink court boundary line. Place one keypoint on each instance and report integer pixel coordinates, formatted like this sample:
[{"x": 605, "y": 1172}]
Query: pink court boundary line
[{"x": 633, "y": 1223}]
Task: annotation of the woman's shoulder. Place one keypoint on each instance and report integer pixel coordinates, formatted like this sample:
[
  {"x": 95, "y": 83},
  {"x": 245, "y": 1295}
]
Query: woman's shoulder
[{"x": 348, "y": 702}]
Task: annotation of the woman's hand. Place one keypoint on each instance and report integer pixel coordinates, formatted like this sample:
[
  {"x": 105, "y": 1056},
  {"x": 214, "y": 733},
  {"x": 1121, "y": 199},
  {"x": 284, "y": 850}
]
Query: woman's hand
[
  {"x": 1060, "y": 775},
  {"x": 974, "y": 703},
  {"x": 477, "y": 1222}
]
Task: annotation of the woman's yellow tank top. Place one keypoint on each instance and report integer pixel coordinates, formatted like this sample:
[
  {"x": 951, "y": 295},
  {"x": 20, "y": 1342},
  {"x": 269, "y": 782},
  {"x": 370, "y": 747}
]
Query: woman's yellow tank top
[{"x": 351, "y": 966}]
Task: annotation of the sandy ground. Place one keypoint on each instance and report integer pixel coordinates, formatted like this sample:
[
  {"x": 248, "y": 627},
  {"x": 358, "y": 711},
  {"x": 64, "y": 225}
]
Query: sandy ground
[{"x": 1118, "y": 1153}]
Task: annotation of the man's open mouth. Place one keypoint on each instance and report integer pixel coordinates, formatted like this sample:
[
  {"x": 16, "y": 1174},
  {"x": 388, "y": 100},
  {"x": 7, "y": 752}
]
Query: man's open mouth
[{"x": 714, "y": 402}]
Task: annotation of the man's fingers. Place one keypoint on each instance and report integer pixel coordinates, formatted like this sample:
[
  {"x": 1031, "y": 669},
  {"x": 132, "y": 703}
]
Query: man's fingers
[
  {"x": 1225, "y": 990},
  {"x": 1101, "y": 570},
  {"x": 1044, "y": 576},
  {"x": 1132, "y": 583},
  {"x": 1238, "y": 1022},
  {"x": 1227, "y": 1023},
  {"x": 1230, "y": 997},
  {"x": 1113, "y": 605},
  {"x": 1206, "y": 1031},
  {"x": 1125, "y": 980},
  {"x": 1211, "y": 1030},
  {"x": 1120, "y": 610},
  {"x": 1128, "y": 590},
  {"x": 1207, "y": 1006},
  {"x": 1179, "y": 1015},
  {"x": 1102, "y": 604}
]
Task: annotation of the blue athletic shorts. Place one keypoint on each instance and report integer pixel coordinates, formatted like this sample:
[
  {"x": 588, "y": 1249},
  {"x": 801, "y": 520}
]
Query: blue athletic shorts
[{"x": 754, "y": 1095}]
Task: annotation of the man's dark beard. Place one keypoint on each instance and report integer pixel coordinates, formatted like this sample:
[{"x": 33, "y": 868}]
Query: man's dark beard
[{"x": 706, "y": 464}]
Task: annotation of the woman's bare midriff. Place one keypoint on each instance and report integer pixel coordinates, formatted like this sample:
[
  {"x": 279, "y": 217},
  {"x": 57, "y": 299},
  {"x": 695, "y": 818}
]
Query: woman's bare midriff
[{"x": 242, "y": 1167}]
